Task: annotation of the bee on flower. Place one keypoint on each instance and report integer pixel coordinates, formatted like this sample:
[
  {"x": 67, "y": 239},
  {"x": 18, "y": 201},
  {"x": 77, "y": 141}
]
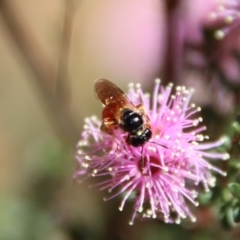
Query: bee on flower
[{"x": 160, "y": 173}]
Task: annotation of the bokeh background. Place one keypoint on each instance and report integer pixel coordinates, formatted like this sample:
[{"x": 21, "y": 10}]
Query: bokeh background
[{"x": 50, "y": 54}]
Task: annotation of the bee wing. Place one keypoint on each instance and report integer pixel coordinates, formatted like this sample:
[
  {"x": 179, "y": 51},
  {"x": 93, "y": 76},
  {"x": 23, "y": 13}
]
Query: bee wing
[{"x": 110, "y": 94}]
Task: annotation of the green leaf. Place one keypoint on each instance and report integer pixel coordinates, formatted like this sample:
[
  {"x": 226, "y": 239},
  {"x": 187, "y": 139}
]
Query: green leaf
[
  {"x": 236, "y": 123},
  {"x": 236, "y": 126},
  {"x": 227, "y": 217},
  {"x": 237, "y": 215},
  {"x": 234, "y": 163},
  {"x": 205, "y": 198},
  {"x": 235, "y": 189}
]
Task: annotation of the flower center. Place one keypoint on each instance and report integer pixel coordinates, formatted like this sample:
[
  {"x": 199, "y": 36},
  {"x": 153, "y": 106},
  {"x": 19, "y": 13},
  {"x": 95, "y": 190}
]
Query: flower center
[{"x": 149, "y": 165}]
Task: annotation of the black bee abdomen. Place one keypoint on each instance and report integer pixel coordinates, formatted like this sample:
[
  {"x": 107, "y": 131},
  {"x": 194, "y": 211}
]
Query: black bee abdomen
[{"x": 131, "y": 121}]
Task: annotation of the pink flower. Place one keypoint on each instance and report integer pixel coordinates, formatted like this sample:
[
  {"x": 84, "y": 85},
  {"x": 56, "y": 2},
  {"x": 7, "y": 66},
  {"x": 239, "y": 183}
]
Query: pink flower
[
  {"x": 218, "y": 50},
  {"x": 224, "y": 22},
  {"x": 163, "y": 176},
  {"x": 225, "y": 17}
]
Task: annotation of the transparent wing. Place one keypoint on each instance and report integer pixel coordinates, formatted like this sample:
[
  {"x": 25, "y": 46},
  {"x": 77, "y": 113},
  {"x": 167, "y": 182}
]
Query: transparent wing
[{"x": 110, "y": 94}]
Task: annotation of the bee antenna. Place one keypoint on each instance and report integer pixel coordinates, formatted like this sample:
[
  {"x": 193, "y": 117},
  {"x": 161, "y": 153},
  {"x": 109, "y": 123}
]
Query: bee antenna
[{"x": 164, "y": 146}]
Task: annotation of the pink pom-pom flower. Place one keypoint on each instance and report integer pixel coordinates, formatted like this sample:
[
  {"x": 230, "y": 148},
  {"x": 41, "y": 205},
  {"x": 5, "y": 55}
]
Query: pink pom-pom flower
[{"x": 162, "y": 177}]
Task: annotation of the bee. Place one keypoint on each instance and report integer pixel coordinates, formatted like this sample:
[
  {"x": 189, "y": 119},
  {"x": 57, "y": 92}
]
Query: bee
[{"x": 119, "y": 111}]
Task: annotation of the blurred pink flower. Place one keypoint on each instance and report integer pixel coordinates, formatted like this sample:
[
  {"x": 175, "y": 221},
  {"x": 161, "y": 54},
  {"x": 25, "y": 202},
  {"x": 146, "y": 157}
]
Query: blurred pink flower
[
  {"x": 211, "y": 51},
  {"x": 162, "y": 178},
  {"x": 121, "y": 39},
  {"x": 224, "y": 17},
  {"x": 224, "y": 50},
  {"x": 214, "y": 34}
]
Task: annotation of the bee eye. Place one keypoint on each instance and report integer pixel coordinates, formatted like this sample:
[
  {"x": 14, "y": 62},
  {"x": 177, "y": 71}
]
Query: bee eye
[{"x": 131, "y": 121}]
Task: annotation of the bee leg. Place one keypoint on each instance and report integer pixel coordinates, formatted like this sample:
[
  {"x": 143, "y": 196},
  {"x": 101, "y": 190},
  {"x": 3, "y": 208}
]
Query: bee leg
[
  {"x": 142, "y": 161},
  {"x": 141, "y": 109},
  {"x": 108, "y": 120},
  {"x": 107, "y": 125},
  {"x": 128, "y": 140},
  {"x": 147, "y": 125}
]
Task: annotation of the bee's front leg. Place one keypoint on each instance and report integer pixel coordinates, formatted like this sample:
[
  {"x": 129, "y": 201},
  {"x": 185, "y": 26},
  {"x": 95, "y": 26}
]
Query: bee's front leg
[{"x": 108, "y": 125}]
